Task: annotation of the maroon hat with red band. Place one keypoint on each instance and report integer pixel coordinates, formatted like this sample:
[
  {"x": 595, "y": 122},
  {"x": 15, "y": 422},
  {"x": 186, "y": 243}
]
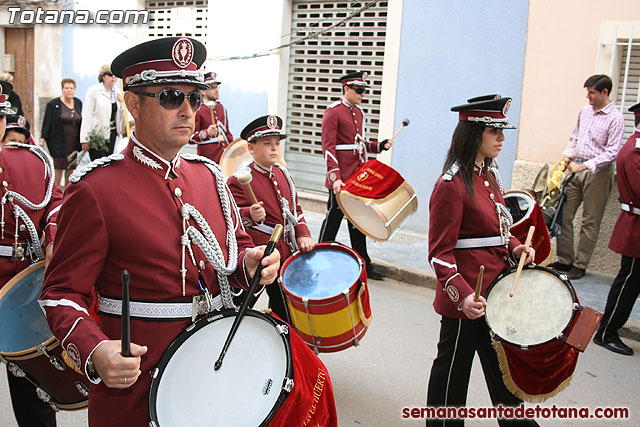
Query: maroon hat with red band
[
  {"x": 487, "y": 110},
  {"x": 261, "y": 127},
  {"x": 5, "y": 105},
  {"x": 170, "y": 60},
  {"x": 355, "y": 79},
  {"x": 211, "y": 78}
]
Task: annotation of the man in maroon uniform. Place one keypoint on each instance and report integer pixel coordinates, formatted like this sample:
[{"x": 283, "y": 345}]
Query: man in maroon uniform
[
  {"x": 344, "y": 146},
  {"x": 30, "y": 201},
  {"x": 624, "y": 240},
  {"x": 168, "y": 219},
  {"x": 212, "y": 138},
  {"x": 277, "y": 198}
]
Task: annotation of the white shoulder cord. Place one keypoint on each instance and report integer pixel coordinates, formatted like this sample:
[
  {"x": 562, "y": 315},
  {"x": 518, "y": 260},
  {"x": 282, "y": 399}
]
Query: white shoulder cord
[
  {"x": 206, "y": 240},
  {"x": 18, "y": 211},
  {"x": 504, "y": 216},
  {"x": 289, "y": 213}
]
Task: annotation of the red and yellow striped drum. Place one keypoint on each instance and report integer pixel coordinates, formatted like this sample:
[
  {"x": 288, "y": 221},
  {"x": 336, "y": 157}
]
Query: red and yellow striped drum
[{"x": 327, "y": 294}]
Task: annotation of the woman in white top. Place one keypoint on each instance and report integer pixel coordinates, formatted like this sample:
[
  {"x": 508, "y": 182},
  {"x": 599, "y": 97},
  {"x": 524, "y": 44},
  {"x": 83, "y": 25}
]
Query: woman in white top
[{"x": 102, "y": 114}]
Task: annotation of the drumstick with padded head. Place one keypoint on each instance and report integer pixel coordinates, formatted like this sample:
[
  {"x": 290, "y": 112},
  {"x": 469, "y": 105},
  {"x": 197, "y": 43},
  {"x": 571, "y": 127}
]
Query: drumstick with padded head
[
  {"x": 273, "y": 240},
  {"x": 244, "y": 178},
  {"x": 405, "y": 123},
  {"x": 476, "y": 297},
  {"x": 212, "y": 106},
  {"x": 523, "y": 256}
]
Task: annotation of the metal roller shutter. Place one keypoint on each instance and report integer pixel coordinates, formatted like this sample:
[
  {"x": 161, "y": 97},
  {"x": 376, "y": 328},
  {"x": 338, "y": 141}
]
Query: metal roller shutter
[
  {"x": 315, "y": 67},
  {"x": 178, "y": 18},
  {"x": 631, "y": 95}
]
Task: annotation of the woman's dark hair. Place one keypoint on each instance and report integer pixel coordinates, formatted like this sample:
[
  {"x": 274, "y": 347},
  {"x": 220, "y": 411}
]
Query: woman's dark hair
[{"x": 465, "y": 143}]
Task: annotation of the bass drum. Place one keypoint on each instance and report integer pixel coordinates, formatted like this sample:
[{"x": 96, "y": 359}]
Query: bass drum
[
  {"x": 29, "y": 347},
  {"x": 236, "y": 156}
]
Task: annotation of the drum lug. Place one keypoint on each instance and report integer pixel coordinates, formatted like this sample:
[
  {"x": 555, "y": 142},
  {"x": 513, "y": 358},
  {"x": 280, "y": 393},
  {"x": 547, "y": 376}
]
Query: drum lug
[
  {"x": 288, "y": 385},
  {"x": 155, "y": 373},
  {"x": 16, "y": 370},
  {"x": 43, "y": 395},
  {"x": 55, "y": 360},
  {"x": 82, "y": 388},
  {"x": 577, "y": 307},
  {"x": 283, "y": 329}
]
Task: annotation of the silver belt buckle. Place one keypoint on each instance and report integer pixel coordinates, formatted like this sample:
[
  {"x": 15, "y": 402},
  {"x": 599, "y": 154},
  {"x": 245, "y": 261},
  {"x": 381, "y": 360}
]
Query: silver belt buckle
[{"x": 201, "y": 305}]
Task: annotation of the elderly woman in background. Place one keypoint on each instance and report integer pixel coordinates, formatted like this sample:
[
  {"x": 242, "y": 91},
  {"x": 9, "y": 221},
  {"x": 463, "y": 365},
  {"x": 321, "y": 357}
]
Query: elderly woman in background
[
  {"x": 61, "y": 129},
  {"x": 102, "y": 116}
]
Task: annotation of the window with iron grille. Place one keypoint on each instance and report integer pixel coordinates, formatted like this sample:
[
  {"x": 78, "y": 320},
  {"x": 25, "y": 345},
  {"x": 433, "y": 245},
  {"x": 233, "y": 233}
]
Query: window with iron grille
[
  {"x": 315, "y": 67},
  {"x": 186, "y": 18}
]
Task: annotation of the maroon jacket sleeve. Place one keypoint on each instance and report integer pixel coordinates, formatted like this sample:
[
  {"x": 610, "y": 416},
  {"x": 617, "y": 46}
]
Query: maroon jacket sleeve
[
  {"x": 50, "y": 218},
  {"x": 445, "y": 217},
  {"x": 329, "y": 138},
  {"x": 79, "y": 251}
]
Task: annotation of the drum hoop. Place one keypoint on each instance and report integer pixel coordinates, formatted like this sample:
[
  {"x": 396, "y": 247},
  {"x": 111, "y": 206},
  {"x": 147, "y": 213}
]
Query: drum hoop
[
  {"x": 375, "y": 209},
  {"x": 563, "y": 278},
  {"x": 323, "y": 245},
  {"x": 32, "y": 352},
  {"x": 191, "y": 330},
  {"x": 526, "y": 196}
]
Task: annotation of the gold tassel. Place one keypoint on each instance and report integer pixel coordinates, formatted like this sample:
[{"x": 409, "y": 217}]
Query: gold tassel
[{"x": 70, "y": 363}]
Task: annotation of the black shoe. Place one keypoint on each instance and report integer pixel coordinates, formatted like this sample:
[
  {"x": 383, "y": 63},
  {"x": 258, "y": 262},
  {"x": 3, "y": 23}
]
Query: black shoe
[
  {"x": 374, "y": 274},
  {"x": 615, "y": 346},
  {"x": 575, "y": 273},
  {"x": 560, "y": 266},
  {"x": 598, "y": 340}
]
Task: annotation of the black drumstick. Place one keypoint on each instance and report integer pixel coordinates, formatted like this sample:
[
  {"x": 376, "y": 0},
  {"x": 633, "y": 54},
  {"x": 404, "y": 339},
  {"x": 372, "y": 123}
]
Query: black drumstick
[
  {"x": 126, "y": 327},
  {"x": 273, "y": 240}
]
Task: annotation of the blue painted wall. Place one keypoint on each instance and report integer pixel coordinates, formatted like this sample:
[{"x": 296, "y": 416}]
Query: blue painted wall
[
  {"x": 243, "y": 107},
  {"x": 451, "y": 51}
]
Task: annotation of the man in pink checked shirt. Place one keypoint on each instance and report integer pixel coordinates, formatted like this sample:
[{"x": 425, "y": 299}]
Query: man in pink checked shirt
[{"x": 598, "y": 135}]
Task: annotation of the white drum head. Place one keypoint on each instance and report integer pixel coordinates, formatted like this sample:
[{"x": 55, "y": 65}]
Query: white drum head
[
  {"x": 243, "y": 392},
  {"x": 539, "y": 311}
]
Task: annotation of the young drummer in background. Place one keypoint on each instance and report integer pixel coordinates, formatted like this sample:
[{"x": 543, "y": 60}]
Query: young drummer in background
[{"x": 277, "y": 200}]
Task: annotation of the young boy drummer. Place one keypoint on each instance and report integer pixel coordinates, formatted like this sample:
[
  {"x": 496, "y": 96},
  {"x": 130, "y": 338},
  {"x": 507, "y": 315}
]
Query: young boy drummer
[{"x": 276, "y": 200}]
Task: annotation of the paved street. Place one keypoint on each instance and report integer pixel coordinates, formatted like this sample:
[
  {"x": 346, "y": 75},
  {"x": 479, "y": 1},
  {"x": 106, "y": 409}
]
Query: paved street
[{"x": 389, "y": 370}]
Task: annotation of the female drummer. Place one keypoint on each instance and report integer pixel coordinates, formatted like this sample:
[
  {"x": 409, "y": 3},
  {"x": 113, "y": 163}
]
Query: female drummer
[{"x": 469, "y": 227}]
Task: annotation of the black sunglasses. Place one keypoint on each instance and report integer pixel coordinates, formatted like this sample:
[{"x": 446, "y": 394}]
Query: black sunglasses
[
  {"x": 110, "y": 74},
  {"x": 170, "y": 99},
  {"x": 360, "y": 90}
]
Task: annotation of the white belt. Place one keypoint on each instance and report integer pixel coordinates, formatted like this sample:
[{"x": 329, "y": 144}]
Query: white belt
[
  {"x": 210, "y": 141},
  {"x": 266, "y": 229},
  {"x": 631, "y": 209},
  {"x": 340, "y": 147},
  {"x": 154, "y": 310},
  {"x": 479, "y": 242},
  {"x": 7, "y": 250}
]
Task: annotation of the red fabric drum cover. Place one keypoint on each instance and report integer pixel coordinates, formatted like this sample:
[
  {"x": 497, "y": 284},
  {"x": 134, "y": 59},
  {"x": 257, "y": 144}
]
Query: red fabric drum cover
[
  {"x": 373, "y": 180},
  {"x": 311, "y": 401}
]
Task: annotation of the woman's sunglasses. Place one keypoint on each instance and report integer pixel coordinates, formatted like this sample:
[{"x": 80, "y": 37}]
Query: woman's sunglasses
[{"x": 170, "y": 99}]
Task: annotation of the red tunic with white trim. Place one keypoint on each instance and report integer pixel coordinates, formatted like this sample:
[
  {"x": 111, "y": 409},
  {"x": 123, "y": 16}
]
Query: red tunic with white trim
[
  {"x": 211, "y": 148},
  {"x": 23, "y": 172},
  {"x": 454, "y": 215},
  {"x": 127, "y": 215},
  {"x": 625, "y": 239},
  {"x": 269, "y": 187},
  {"x": 343, "y": 142}
]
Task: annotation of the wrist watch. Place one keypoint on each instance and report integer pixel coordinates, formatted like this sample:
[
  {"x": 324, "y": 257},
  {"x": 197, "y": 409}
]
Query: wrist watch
[{"x": 91, "y": 370}]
